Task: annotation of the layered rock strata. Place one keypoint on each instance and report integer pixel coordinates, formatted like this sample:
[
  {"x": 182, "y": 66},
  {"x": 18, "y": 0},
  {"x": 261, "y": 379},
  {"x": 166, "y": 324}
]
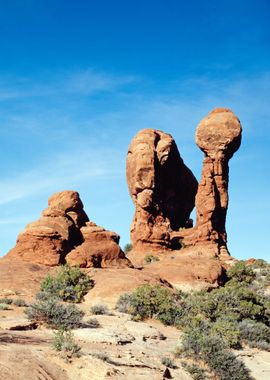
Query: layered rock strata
[
  {"x": 162, "y": 188},
  {"x": 62, "y": 228}
]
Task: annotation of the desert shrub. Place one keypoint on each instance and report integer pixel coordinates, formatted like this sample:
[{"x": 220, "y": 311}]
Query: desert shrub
[
  {"x": 92, "y": 323},
  {"x": 64, "y": 341},
  {"x": 227, "y": 330},
  {"x": 148, "y": 259},
  {"x": 4, "y": 306},
  {"x": 259, "y": 264},
  {"x": 241, "y": 272},
  {"x": 261, "y": 345},
  {"x": 124, "y": 303},
  {"x": 235, "y": 301},
  {"x": 100, "y": 309},
  {"x": 212, "y": 350},
  {"x": 127, "y": 248},
  {"x": 55, "y": 314},
  {"x": 167, "y": 362},
  {"x": 195, "y": 371},
  {"x": 19, "y": 302},
  {"x": 154, "y": 302},
  {"x": 69, "y": 284},
  {"x": 255, "y": 334},
  {"x": 7, "y": 301}
]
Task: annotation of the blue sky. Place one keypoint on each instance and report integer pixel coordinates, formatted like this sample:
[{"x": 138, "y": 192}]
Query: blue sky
[{"x": 78, "y": 79}]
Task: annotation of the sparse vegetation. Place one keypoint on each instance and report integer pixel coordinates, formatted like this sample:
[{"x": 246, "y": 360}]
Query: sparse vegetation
[
  {"x": 150, "y": 302},
  {"x": 212, "y": 350},
  {"x": 20, "y": 302},
  {"x": 69, "y": 284},
  {"x": 124, "y": 303},
  {"x": 167, "y": 362},
  {"x": 127, "y": 248},
  {"x": 4, "y": 306},
  {"x": 148, "y": 259},
  {"x": 100, "y": 309},
  {"x": 92, "y": 323},
  {"x": 54, "y": 314},
  {"x": 212, "y": 322},
  {"x": 65, "y": 343},
  {"x": 195, "y": 371},
  {"x": 7, "y": 301}
]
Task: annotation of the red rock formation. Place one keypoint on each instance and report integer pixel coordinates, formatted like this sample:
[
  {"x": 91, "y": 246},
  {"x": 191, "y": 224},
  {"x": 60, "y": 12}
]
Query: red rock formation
[
  {"x": 163, "y": 189},
  {"x": 100, "y": 249},
  {"x": 218, "y": 136},
  {"x": 62, "y": 227},
  {"x": 50, "y": 238}
]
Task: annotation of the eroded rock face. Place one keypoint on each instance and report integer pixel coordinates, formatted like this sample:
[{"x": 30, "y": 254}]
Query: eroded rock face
[
  {"x": 62, "y": 228},
  {"x": 55, "y": 233},
  {"x": 218, "y": 136},
  {"x": 100, "y": 249},
  {"x": 163, "y": 189}
]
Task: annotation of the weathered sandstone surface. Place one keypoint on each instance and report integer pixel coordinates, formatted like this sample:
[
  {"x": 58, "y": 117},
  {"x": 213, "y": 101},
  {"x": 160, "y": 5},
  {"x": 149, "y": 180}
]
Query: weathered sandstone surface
[
  {"x": 219, "y": 136},
  {"x": 162, "y": 188},
  {"x": 100, "y": 249},
  {"x": 62, "y": 229}
]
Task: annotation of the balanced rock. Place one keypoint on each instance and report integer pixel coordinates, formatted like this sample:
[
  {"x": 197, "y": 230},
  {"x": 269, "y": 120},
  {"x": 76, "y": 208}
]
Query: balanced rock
[
  {"x": 100, "y": 249},
  {"x": 62, "y": 228},
  {"x": 218, "y": 136},
  {"x": 163, "y": 189}
]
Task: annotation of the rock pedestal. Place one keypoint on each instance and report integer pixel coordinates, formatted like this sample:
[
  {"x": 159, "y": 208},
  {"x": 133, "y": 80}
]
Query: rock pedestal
[{"x": 218, "y": 135}]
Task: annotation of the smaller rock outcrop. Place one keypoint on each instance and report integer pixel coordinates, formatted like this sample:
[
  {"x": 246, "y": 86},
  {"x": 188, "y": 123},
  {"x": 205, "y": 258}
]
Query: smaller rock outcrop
[
  {"x": 55, "y": 233},
  {"x": 62, "y": 228},
  {"x": 100, "y": 249},
  {"x": 162, "y": 188}
]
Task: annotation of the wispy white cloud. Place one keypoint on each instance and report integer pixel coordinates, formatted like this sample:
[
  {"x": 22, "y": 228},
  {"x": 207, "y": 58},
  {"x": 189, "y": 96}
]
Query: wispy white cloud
[
  {"x": 82, "y": 82},
  {"x": 88, "y": 81},
  {"x": 58, "y": 172}
]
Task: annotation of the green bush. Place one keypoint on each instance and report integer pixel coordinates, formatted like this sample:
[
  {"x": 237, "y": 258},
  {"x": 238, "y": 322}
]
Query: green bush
[
  {"x": 4, "y": 306},
  {"x": 55, "y": 314},
  {"x": 235, "y": 301},
  {"x": 168, "y": 362},
  {"x": 127, "y": 248},
  {"x": 228, "y": 331},
  {"x": 19, "y": 302},
  {"x": 241, "y": 272},
  {"x": 69, "y": 284},
  {"x": 255, "y": 332},
  {"x": 7, "y": 301},
  {"x": 152, "y": 302},
  {"x": 212, "y": 350},
  {"x": 195, "y": 371},
  {"x": 148, "y": 259},
  {"x": 64, "y": 341},
  {"x": 124, "y": 303},
  {"x": 100, "y": 309}
]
